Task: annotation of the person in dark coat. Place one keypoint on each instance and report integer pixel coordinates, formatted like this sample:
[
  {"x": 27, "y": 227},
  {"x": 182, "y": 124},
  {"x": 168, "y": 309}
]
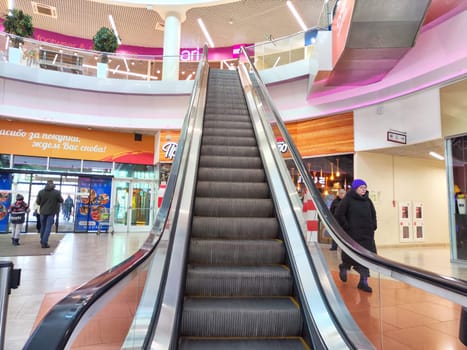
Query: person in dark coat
[
  {"x": 49, "y": 200},
  {"x": 357, "y": 216},
  {"x": 333, "y": 209}
]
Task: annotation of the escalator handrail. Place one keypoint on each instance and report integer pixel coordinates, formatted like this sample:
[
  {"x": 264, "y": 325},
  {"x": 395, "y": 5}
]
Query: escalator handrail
[
  {"x": 59, "y": 325},
  {"x": 450, "y": 288}
]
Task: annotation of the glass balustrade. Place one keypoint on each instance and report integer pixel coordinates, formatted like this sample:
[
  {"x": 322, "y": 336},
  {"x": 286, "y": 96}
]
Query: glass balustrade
[{"x": 49, "y": 56}]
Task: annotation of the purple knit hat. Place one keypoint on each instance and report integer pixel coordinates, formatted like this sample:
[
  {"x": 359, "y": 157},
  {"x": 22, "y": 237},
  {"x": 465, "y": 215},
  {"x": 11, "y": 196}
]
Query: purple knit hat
[{"x": 357, "y": 183}]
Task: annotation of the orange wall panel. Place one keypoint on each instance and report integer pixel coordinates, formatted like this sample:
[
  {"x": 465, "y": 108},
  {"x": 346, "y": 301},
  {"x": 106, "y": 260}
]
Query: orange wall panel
[{"x": 323, "y": 136}]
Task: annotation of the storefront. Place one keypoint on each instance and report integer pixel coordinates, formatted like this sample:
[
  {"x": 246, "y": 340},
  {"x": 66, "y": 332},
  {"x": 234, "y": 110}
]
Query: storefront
[{"x": 107, "y": 179}]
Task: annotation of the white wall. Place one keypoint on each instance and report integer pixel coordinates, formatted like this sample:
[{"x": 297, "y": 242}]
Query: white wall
[
  {"x": 91, "y": 108},
  {"x": 391, "y": 178},
  {"x": 418, "y": 115}
]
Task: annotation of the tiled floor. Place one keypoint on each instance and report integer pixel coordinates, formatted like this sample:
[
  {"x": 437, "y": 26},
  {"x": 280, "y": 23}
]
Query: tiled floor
[{"x": 409, "y": 319}]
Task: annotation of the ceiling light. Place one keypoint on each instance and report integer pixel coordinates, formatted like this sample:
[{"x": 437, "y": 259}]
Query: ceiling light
[
  {"x": 436, "y": 155},
  {"x": 296, "y": 15},
  {"x": 205, "y": 32},
  {"x": 112, "y": 23}
]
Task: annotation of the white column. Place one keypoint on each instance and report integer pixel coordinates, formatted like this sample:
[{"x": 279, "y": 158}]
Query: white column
[{"x": 172, "y": 33}]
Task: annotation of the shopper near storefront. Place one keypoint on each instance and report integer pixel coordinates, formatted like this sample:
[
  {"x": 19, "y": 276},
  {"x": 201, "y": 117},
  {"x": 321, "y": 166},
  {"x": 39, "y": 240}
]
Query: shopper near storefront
[
  {"x": 335, "y": 203},
  {"x": 17, "y": 212},
  {"x": 357, "y": 216},
  {"x": 49, "y": 200}
]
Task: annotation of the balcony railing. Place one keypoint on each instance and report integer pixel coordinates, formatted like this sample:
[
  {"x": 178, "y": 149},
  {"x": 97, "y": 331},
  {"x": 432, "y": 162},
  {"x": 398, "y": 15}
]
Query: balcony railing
[{"x": 39, "y": 54}]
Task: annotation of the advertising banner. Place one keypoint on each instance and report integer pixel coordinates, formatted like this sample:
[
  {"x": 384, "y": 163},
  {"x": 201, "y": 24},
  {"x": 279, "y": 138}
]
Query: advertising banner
[
  {"x": 93, "y": 204},
  {"x": 341, "y": 27},
  {"x": 5, "y": 200},
  {"x": 31, "y": 139}
]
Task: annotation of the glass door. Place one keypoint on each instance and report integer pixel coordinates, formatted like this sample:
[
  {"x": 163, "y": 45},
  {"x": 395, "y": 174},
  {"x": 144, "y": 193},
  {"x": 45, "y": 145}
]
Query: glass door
[{"x": 133, "y": 205}]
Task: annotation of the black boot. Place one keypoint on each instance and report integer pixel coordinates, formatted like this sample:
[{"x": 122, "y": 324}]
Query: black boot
[
  {"x": 343, "y": 273},
  {"x": 16, "y": 241},
  {"x": 363, "y": 284}
]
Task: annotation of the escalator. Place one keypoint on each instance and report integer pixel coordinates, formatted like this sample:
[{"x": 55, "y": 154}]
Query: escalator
[{"x": 239, "y": 289}]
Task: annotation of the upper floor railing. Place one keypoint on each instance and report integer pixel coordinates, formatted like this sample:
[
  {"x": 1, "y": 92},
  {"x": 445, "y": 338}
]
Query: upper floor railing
[{"x": 44, "y": 55}]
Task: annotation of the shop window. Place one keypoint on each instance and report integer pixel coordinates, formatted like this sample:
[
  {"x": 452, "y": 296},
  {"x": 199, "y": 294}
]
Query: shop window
[
  {"x": 24, "y": 162},
  {"x": 70, "y": 165},
  {"x": 4, "y": 161},
  {"x": 95, "y": 167},
  {"x": 135, "y": 171}
]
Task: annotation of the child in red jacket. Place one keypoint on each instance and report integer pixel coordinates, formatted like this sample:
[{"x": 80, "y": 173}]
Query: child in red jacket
[{"x": 17, "y": 212}]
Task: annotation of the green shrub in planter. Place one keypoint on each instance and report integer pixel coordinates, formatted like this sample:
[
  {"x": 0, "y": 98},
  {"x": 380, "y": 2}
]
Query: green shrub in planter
[
  {"x": 19, "y": 25},
  {"x": 105, "y": 41}
]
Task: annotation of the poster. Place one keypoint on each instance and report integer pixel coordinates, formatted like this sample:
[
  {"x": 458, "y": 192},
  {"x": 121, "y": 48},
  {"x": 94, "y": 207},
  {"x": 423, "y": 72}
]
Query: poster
[
  {"x": 405, "y": 221},
  {"x": 5, "y": 200},
  {"x": 93, "y": 204}
]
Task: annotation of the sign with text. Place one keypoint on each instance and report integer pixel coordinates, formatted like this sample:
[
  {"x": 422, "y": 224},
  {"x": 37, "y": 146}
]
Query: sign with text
[
  {"x": 397, "y": 137},
  {"x": 168, "y": 142},
  {"x": 30, "y": 139}
]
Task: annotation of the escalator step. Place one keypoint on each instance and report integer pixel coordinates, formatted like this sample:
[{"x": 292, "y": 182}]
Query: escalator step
[
  {"x": 227, "y": 174},
  {"x": 289, "y": 343},
  {"x": 241, "y": 317},
  {"x": 238, "y": 228},
  {"x": 229, "y": 125},
  {"x": 228, "y": 141},
  {"x": 244, "y": 207},
  {"x": 230, "y": 162},
  {"x": 271, "y": 280},
  {"x": 236, "y": 252},
  {"x": 244, "y": 132},
  {"x": 230, "y": 151},
  {"x": 227, "y": 117},
  {"x": 232, "y": 189}
]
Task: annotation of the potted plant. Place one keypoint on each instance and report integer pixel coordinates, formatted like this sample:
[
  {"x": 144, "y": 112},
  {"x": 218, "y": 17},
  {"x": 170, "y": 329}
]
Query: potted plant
[
  {"x": 105, "y": 41},
  {"x": 19, "y": 25}
]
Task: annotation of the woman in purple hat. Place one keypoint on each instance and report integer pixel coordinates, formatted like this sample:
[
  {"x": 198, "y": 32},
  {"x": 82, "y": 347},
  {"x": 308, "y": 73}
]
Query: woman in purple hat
[{"x": 357, "y": 216}]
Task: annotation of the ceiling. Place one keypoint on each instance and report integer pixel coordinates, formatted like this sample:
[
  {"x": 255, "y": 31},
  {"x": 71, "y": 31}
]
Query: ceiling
[{"x": 241, "y": 21}]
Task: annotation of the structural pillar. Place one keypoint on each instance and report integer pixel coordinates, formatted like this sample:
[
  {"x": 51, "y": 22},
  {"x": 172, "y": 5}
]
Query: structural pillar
[{"x": 172, "y": 34}]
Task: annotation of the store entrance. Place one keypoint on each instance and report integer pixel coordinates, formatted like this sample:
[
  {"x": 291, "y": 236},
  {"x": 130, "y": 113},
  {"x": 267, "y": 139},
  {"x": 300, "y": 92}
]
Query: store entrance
[{"x": 133, "y": 204}]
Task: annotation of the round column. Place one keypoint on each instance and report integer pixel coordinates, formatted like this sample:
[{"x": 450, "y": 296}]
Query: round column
[{"x": 172, "y": 32}]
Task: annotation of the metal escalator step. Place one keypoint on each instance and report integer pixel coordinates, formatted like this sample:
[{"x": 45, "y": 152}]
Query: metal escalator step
[
  {"x": 229, "y": 174},
  {"x": 229, "y": 189},
  {"x": 230, "y": 151},
  {"x": 236, "y": 251},
  {"x": 241, "y": 317},
  {"x": 207, "y": 280},
  {"x": 290, "y": 343},
  {"x": 244, "y": 207},
  {"x": 230, "y": 162},
  {"x": 227, "y": 117},
  {"x": 243, "y": 132},
  {"x": 229, "y": 141},
  {"x": 224, "y": 124},
  {"x": 234, "y": 228}
]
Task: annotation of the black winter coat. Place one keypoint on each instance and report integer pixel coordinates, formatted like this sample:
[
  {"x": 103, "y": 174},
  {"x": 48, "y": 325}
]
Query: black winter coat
[{"x": 357, "y": 216}]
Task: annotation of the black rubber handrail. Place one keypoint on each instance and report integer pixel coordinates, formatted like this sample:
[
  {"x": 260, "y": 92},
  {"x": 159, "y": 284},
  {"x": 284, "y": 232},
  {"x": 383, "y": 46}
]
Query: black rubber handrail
[{"x": 56, "y": 328}]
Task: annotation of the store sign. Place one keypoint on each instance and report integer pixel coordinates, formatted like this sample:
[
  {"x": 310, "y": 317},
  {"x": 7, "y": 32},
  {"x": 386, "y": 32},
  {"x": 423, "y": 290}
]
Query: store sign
[
  {"x": 41, "y": 140},
  {"x": 169, "y": 149}
]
